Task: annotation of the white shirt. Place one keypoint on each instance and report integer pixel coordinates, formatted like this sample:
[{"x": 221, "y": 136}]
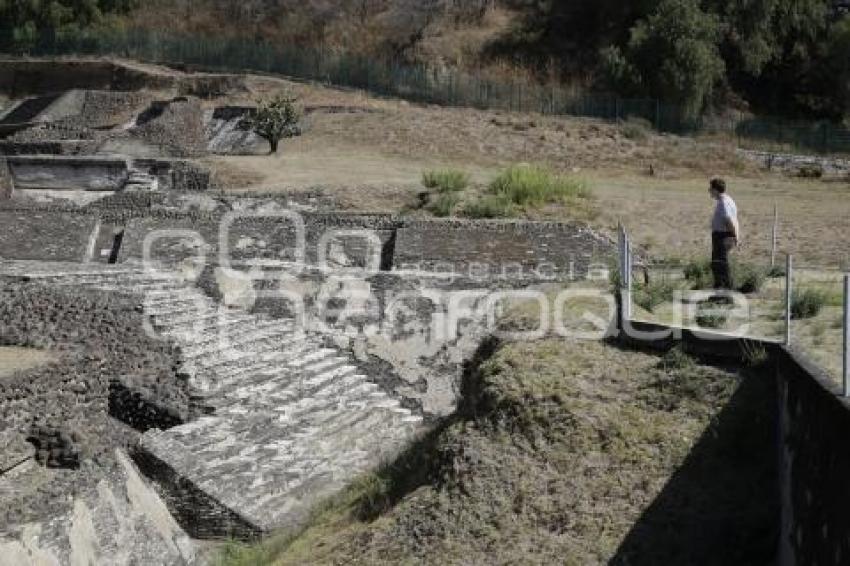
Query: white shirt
[{"x": 726, "y": 209}]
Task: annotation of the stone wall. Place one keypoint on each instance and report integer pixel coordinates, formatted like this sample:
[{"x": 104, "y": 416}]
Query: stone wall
[
  {"x": 87, "y": 173},
  {"x": 811, "y": 438},
  {"x": 34, "y": 234},
  {"x": 50, "y": 147},
  {"x": 99, "y": 346},
  {"x": 115, "y": 519},
  {"x": 199, "y": 514},
  {"x": 102, "y": 108},
  {"x": 475, "y": 249},
  {"x": 499, "y": 248},
  {"x": 7, "y": 185},
  {"x": 99, "y": 332},
  {"x": 814, "y": 464},
  {"x": 175, "y": 126},
  {"x": 791, "y": 163},
  {"x": 27, "y": 77},
  {"x": 63, "y": 173}
]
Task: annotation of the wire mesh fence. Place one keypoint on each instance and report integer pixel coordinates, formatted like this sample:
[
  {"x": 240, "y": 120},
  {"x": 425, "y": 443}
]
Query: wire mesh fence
[
  {"x": 426, "y": 83},
  {"x": 811, "y": 318}
]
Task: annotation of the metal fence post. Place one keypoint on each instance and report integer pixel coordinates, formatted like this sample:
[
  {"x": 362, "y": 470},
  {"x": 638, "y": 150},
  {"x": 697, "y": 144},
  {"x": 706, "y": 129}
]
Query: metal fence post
[
  {"x": 773, "y": 237},
  {"x": 621, "y": 265},
  {"x": 788, "y": 292},
  {"x": 627, "y": 300},
  {"x": 846, "y": 365}
]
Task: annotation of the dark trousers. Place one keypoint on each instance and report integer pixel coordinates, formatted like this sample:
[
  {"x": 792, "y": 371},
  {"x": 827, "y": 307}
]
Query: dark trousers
[{"x": 720, "y": 260}]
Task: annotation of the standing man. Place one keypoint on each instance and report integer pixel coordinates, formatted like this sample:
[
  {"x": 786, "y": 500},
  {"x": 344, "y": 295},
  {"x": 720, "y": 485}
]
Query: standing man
[{"x": 724, "y": 233}]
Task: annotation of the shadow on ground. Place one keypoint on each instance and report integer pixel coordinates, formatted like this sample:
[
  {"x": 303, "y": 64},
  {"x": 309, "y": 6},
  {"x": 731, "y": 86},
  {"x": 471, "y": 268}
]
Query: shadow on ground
[{"x": 722, "y": 505}]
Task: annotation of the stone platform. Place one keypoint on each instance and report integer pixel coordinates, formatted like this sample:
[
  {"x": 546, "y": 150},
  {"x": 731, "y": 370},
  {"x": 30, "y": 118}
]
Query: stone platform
[{"x": 285, "y": 420}]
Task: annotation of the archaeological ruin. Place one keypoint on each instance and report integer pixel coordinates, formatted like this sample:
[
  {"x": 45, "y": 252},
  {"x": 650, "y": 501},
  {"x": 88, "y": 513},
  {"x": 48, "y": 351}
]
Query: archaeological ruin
[{"x": 217, "y": 364}]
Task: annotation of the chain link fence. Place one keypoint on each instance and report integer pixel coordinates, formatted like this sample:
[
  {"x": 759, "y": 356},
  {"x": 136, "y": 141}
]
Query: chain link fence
[{"x": 430, "y": 84}]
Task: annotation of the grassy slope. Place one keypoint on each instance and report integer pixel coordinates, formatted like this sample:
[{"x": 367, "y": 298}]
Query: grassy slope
[
  {"x": 566, "y": 453},
  {"x": 373, "y": 161}
]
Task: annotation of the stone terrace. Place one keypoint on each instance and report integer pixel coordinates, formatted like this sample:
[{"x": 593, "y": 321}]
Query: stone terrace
[{"x": 287, "y": 420}]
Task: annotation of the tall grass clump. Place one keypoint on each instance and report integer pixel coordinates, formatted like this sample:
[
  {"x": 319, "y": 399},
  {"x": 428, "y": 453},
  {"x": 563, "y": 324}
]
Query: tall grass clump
[
  {"x": 489, "y": 206},
  {"x": 698, "y": 273},
  {"x": 807, "y": 303},
  {"x": 533, "y": 185},
  {"x": 445, "y": 180},
  {"x": 445, "y": 204},
  {"x": 636, "y": 129},
  {"x": 648, "y": 296},
  {"x": 746, "y": 277}
]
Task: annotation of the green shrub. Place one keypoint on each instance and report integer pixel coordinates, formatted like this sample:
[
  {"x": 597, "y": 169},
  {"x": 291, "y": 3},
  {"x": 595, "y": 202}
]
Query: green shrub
[
  {"x": 776, "y": 271},
  {"x": 635, "y": 129},
  {"x": 754, "y": 353},
  {"x": 710, "y": 315},
  {"x": 676, "y": 359},
  {"x": 810, "y": 171},
  {"x": 445, "y": 180},
  {"x": 698, "y": 273},
  {"x": 807, "y": 303},
  {"x": 655, "y": 293},
  {"x": 445, "y": 204},
  {"x": 489, "y": 206},
  {"x": 746, "y": 278},
  {"x": 533, "y": 185}
]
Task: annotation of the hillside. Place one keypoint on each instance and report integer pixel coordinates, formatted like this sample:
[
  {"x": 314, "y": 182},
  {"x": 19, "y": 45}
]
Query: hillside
[{"x": 783, "y": 57}]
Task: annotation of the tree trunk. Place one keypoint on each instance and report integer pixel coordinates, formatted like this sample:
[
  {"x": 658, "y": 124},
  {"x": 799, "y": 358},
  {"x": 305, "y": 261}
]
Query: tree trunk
[{"x": 273, "y": 145}]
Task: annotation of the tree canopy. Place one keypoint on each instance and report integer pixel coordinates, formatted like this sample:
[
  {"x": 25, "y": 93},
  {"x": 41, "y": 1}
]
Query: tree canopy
[{"x": 22, "y": 21}]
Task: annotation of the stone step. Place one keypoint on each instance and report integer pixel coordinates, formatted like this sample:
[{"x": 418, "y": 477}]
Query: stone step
[
  {"x": 166, "y": 294},
  {"x": 222, "y": 386},
  {"x": 131, "y": 289},
  {"x": 280, "y": 388},
  {"x": 184, "y": 306},
  {"x": 237, "y": 341},
  {"x": 213, "y": 318},
  {"x": 316, "y": 355},
  {"x": 226, "y": 349},
  {"x": 116, "y": 279},
  {"x": 228, "y": 358}
]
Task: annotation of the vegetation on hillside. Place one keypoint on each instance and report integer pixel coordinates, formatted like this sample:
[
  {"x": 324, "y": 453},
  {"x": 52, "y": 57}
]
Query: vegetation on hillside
[
  {"x": 788, "y": 57},
  {"x": 22, "y": 22}
]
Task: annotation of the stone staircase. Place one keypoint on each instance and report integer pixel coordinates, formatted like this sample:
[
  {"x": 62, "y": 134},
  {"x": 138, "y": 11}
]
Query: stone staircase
[
  {"x": 286, "y": 419},
  {"x": 140, "y": 181}
]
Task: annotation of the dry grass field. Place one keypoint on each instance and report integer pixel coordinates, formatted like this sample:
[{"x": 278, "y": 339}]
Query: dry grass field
[{"x": 369, "y": 153}]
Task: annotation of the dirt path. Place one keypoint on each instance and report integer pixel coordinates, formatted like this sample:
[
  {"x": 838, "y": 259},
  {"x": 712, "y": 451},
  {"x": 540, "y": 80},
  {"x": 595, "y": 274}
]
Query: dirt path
[{"x": 13, "y": 358}]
